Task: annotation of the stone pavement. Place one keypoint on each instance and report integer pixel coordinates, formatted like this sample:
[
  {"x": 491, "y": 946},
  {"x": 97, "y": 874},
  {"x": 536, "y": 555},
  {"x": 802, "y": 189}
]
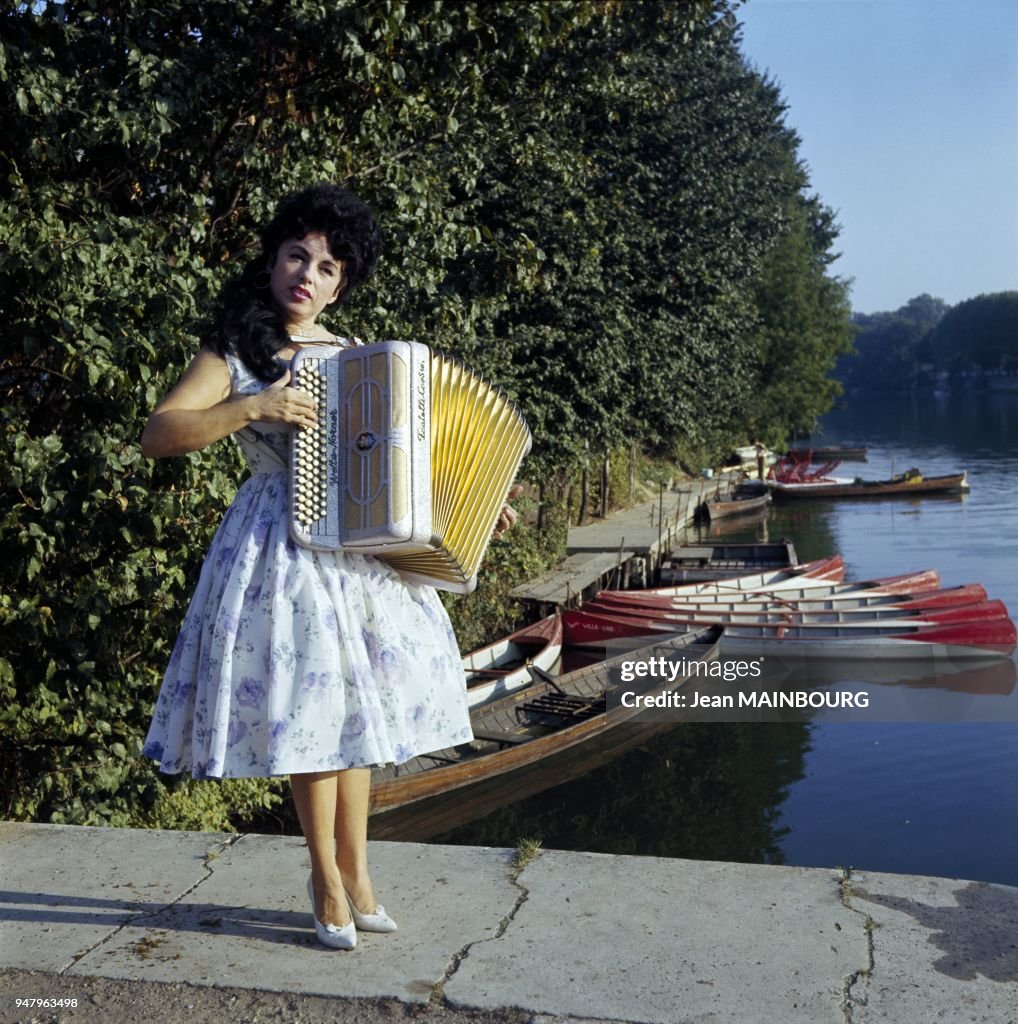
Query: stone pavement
[{"x": 188, "y": 920}]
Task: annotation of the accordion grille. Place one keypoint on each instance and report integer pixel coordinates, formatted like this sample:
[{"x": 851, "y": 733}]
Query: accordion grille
[{"x": 375, "y": 390}]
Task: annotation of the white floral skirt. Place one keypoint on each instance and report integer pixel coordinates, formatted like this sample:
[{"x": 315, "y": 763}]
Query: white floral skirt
[{"x": 291, "y": 660}]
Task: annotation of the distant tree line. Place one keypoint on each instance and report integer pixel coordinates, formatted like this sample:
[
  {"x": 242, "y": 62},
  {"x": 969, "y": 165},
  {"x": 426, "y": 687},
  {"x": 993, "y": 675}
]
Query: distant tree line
[
  {"x": 926, "y": 342},
  {"x": 597, "y": 205}
]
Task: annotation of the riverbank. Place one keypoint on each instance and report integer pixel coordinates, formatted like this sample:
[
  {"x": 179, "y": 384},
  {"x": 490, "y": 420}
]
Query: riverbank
[{"x": 205, "y": 926}]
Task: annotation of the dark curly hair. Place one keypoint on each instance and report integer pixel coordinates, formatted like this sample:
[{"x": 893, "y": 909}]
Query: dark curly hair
[{"x": 245, "y": 323}]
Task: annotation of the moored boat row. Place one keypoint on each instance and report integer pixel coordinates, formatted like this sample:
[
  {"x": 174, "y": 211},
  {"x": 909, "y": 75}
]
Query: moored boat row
[
  {"x": 533, "y": 730},
  {"x": 814, "y": 614}
]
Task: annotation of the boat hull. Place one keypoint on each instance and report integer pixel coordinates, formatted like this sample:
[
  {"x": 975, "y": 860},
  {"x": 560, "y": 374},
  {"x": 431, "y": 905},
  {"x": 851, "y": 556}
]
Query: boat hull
[
  {"x": 715, "y": 509},
  {"x": 976, "y": 639},
  {"x": 790, "y": 614},
  {"x": 821, "y": 572},
  {"x": 699, "y": 563},
  {"x": 833, "y": 599},
  {"x": 956, "y": 483},
  {"x": 792, "y": 588},
  {"x": 502, "y": 667}
]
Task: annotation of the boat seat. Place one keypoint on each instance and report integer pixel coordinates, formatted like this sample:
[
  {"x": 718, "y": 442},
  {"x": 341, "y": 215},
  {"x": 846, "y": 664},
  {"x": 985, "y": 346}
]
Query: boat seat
[{"x": 560, "y": 707}]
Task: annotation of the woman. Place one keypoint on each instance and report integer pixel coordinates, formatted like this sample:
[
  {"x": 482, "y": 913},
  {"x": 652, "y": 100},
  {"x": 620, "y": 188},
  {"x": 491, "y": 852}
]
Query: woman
[{"x": 290, "y": 661}]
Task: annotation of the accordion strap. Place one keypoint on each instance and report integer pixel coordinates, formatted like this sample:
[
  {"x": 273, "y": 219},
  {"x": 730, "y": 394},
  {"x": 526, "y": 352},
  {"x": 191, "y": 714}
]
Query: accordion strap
[{"x": 250, "y": 437}]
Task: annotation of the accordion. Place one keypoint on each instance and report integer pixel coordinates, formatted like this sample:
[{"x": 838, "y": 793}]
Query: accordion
[{"x": 411, "y": 459}]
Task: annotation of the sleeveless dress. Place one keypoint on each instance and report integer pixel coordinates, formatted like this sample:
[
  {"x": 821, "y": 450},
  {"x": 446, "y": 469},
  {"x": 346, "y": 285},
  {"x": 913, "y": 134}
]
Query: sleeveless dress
[{"x": 291, "y": 660}]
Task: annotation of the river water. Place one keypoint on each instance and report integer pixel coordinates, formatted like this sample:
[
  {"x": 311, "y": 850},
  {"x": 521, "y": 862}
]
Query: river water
[{"x": 917, "y": 797}]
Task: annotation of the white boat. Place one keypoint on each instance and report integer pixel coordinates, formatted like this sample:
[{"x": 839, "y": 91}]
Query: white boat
[
  {"x": 823, "y": 570},
  {"x": 504, "y": 666},
  {"x": 790, "y": 585}
]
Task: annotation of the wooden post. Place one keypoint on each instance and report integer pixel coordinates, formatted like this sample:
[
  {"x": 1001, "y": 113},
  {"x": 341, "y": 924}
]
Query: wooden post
[
  {"x": 585, "y": 484},
  {"x": 660, "y": 526}
]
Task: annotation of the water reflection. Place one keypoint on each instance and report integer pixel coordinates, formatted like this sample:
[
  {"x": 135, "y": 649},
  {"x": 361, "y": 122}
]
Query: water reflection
[
  {"x": 920, "y": 798},
  {"x": 699, "y": 791}
]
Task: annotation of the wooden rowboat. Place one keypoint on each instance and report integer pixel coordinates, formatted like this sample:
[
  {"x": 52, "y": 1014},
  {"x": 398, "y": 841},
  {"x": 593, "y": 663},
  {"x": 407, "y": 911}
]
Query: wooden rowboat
[
  {"x": 791, "y": 587},
  {"x": 864, "y": 639},
  {"x": 696, "y": 563},
  {"x": 503, "y": 666},
  {"x": 748, "y": 497},
  {"x": 528, "y": 741},
  {"x": 842, "y": 487},
  {"x": 821, "y": 572}
]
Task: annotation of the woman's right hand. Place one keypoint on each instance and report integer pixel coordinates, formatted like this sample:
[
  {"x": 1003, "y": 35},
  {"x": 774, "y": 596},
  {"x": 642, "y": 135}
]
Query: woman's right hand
[
  {"x": 279, "y": 403},
  {"x": 199, "y": 410}
]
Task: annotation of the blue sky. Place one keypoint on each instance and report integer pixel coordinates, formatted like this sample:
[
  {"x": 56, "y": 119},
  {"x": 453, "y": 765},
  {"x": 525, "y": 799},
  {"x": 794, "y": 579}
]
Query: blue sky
[{"x": 908, "y": 115}]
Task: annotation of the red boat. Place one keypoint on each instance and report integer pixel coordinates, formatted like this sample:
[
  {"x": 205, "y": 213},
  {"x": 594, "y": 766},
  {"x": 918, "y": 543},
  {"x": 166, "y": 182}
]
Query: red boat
[
  {"x": 907, "y": 485},
  {"x": 951, "y": 636},
  {"x": 614, "y": 603},
  {"x": 836, "y": 599}
]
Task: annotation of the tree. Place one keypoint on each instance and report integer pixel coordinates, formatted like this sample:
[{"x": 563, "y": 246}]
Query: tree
[
  {"x": 892, "y": 349},
  {"x": 978, "y": 334},
  {"x": 803, "y": 328},
  {"x": 148, "y": 144}
]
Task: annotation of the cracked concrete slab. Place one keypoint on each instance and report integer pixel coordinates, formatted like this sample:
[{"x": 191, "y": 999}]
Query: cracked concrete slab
[
  {"x": 248, "y": 924},
  {"x": 64, "y": 888},
  {"x": 951, "y": 946},
  {"x": 575, "y": 939},
  {"x": 670, "y": 941}
]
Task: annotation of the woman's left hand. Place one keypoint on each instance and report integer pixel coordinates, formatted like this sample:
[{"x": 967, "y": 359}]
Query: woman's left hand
[{"x": 507, "y": 517}]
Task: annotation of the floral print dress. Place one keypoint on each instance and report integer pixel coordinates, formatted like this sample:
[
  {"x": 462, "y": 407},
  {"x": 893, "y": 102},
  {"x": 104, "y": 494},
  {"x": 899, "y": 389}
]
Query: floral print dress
[{"x": 291, "y": 660}]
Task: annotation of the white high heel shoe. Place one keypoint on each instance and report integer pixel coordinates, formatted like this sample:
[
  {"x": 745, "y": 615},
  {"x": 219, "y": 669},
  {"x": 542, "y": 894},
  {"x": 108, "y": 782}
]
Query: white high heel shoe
[
  {"x": 379, "y": 921},
  {"x": 330, "y": 934}
]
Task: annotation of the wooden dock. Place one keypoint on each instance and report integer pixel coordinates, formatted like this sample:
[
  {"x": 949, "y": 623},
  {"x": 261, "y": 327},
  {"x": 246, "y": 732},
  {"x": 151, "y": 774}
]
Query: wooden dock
[{"x": 623, "y": 550}]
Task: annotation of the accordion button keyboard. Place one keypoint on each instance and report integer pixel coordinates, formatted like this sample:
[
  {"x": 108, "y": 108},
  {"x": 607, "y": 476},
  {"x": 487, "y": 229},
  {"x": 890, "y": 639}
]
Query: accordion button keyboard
[{"x": 310, "y": 504}]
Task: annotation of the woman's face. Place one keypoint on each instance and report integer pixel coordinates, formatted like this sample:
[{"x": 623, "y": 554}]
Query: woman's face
[{"x": 305, "y": 278}]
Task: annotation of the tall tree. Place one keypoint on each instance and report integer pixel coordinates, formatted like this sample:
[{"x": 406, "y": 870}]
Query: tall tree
[{"x": 803, "y": 327}]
